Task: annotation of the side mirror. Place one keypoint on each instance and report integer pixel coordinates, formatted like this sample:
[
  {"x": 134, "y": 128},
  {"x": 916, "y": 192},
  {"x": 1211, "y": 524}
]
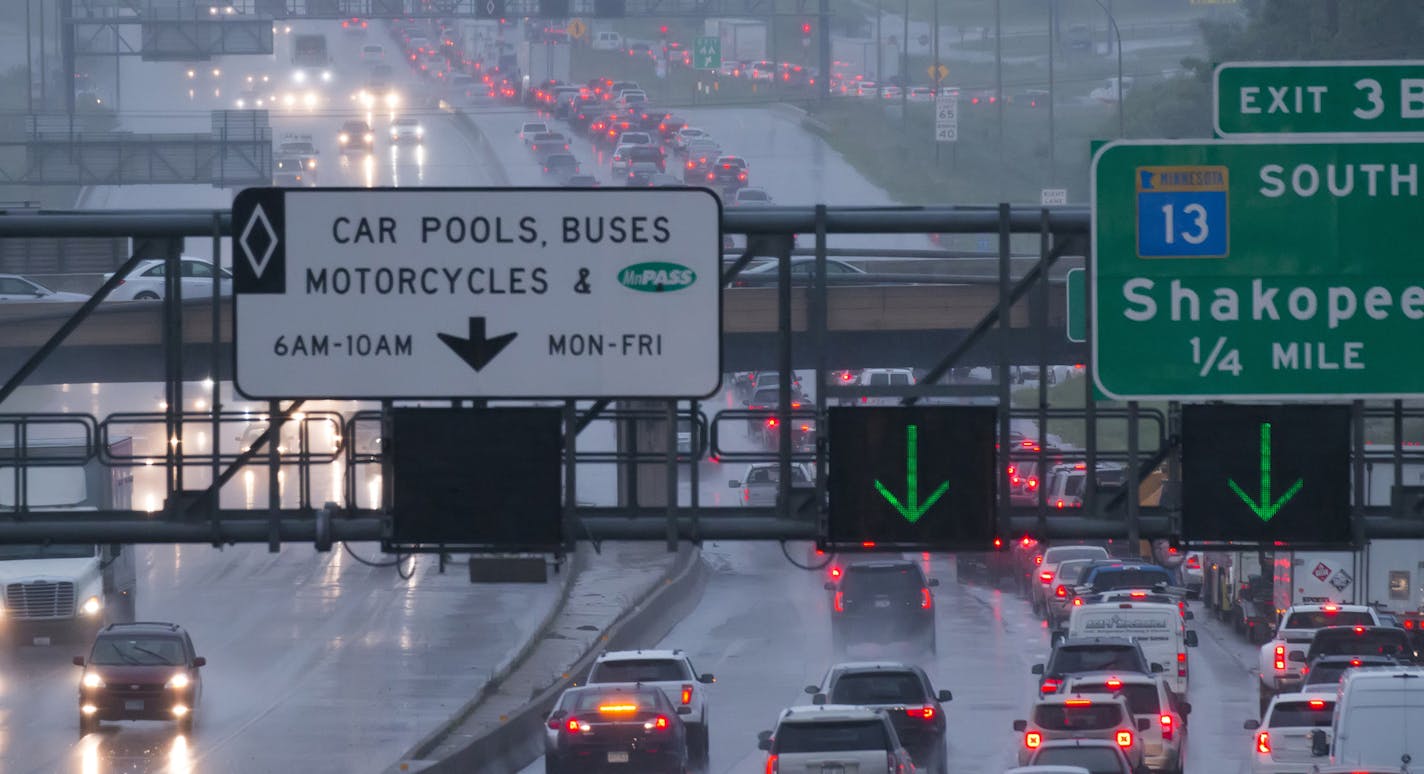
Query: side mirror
[
  {"x": 818, "y": 699},
  {"x": 683, "y": 709},
  {"x": 1191, "y": 639},
  {"x": 200, "y": 662},
  {"x": 812, "y": 690},
  {"x": 1190, "y": 616},
  {"x": 764, "y": 744},
  {"x": 79, "y": 661},
  {"x": 1186, "y": 708},
  {"x": 1157, "y": 669},
  {"x": 932, "y": 582},
  {"x": 734, "y": 484},
  {"x": 1020, "y": 725},
  {"x": 706, "y": 678},
  {"x": 1319, "y": 747},
  {"x": 1037, "y": 669},
  {"x": 830, "y": 586},
  {"x": 1297, "y": 656},
  {"x": 1251, "y": 725},
  {"x": 1143, "y": 724}
]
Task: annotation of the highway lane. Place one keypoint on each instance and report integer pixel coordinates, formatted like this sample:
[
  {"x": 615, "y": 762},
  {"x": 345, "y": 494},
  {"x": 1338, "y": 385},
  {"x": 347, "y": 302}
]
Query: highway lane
[{"x": 763, "y": 652}]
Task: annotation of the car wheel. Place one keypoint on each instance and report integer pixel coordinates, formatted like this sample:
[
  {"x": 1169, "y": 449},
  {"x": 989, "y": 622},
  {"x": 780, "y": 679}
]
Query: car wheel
[
  {"x": 930, "y": 642},
  {"x": 704, "y": 744},
  {"x": 551, "y": 765},
  {"x": 1265, "y": 695},
  {"x": 146, "y": 295},
  {"x": 87, "y": 724}
]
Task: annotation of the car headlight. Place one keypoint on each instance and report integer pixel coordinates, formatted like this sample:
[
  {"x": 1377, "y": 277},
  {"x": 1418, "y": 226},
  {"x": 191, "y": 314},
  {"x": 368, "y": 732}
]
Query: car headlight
[
  {"x": 395, "y": 135},
  {"x": 392, "y": 100},
  {"x": 93, "y": 680},
  {"x": 419, "y": 131},
  {"x": 326, "y": 76},
  {"x": 310, "y": 99},
  {"x": 300, "y": 76},
  {"x": 311, "y": 163},
  {"x": 179, "y": 682},
  {"x": 369, "y": 137},
  {"x": 92, "y": 606},
  {"x": 342, "y": 138}
]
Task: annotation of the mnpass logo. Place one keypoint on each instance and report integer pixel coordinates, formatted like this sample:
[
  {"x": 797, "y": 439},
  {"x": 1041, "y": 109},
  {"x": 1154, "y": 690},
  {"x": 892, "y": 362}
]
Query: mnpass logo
[{"x": 657, "y": 277}]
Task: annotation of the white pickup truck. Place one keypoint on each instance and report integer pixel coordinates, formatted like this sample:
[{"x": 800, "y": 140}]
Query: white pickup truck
[{"x": 1296, "y": 629}]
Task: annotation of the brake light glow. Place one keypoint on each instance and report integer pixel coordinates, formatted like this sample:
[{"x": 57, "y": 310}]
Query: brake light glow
[
  {"x": 1354, "y": 662},
  {"x": 573, "y": 726},
  {"x": 686, "y": 694},
  {"x": 1263, "y": 742},
  {"x": 925, "y": 713},
  {"x": 1079, "y": 702},
  {"x": 1032, "y": 740},
  {"x": 1193, "y": 562},
  {"x": 835, "y": 572},
  {"x": 1316, "y": 704},
  {"x": 1124, "y": 739},
  {"x": 998, "y": 542},
  {"x": 839, "y": 602},
  {"x": 1280, "y": 660},
  {"x": 659, "y": 723},
  {"x": 1114, "y": 683},
  {"x": 1077, "y": 601},
  {"x": 1137, "y": 594},
  {"x": 1061, "y": 592},
  {"x": 771, "y": 764},
  {"x": 1033, "y": 482},
  {"x": 1046, "y": 577},
  {"x": 617, "y": 709},
  {"x": 1037, "y": 560},
  {"x": 1166, "y": 727},
  {"x": 1359, "y": 630},
  {"x": 1330, "y": 609},
  {"x": 925, "y": 599},
  {"x": 1050, "y": 685}
]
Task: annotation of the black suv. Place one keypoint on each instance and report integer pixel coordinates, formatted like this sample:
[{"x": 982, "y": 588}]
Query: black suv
[
  {"x": 1325, "y": 672},
  {"x": 905, "y": 693},
  {"x": 1091, "y": 654},
  {"x": 882, "y": 601},
  {"x": 140, "y": 671},
  {"x": 1357, "y": 641}
]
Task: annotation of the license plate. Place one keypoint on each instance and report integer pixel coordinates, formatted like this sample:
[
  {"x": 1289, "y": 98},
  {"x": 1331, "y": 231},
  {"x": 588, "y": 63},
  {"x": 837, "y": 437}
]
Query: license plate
[
  {"x": 618, "y": 757},
  {"x": 837, "y": 769},
  {"x": 878, "y": 603},
  {"x": 134, "y": 705}
]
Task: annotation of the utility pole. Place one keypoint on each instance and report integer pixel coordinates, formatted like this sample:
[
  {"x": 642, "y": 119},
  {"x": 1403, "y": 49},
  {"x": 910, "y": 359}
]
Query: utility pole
[
  {"x": 823, "y": 38},
  {"x": 1052, "y": 94},
  {"x": 935, "y": 80},
  {"x": 999, "y": 84},
  {"x": 29, "y": 63}
]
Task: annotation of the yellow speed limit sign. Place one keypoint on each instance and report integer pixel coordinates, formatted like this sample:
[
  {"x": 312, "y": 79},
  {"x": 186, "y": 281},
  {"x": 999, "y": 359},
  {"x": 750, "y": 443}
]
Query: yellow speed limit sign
[{"x": 577, "y": 28}]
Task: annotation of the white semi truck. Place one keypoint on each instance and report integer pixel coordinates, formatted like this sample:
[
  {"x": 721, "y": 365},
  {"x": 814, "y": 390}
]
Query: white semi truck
[{"x": 64, "y": 590}]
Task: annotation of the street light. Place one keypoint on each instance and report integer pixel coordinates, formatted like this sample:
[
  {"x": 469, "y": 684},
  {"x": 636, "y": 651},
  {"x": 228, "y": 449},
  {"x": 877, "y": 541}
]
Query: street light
[{"x": 1121, "y": 133}]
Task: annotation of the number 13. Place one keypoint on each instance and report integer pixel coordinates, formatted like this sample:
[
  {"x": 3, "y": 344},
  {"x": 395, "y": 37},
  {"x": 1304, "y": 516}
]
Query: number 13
[{"x": 1198, "y": 213}]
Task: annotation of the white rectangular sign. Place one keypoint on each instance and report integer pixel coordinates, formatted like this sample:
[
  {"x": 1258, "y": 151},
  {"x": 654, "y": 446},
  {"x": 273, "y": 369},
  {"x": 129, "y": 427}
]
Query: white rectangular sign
[
  {"x": 946, "y": 132},
  {"x": 947, "y": 109},
  {"x": 1049, "y": 197},
  {"x": 449, "y": 293}
]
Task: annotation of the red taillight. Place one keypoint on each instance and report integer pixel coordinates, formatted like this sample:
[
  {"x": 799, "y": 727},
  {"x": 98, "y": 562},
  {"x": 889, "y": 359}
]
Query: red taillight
[
  {"x": 1050, "y": 685},
  {"x": 711, "y": 176},
  {"x": 998, "y": 542},
  {"x": 1354, "y": 662},
  {"x": 924, "y": 713},
  {"x": 1359, "y": 630},
  {"x": 771, "y": 422},
  {"x": 1061, "y": 592},
  {"x": 1280, "y": 660},
  {"x": 660, "y": 723},
  {"x": 925, "y": 599},
  {"x": 1037, "y": 560},
  {"x": 1077, "y": 601},
  {"x": 1124, "y": 739},
  {"x": 1316, "y": 704},
  {"x": 771, "y": 764},
  {"x": 1033, "y": 482},
  {"x": 1263, "y": 742},
  {"x": 1166, "y": 727},
  {"x": 1193, "y": 562},
  {"x": 1046, "y": 577},
  {"x": 572, "y": 726},
  {"x": 746, "y": 494},
  {"x": 836, "y": 572},
  {"x": 686, "y": 694},
  {"x": 1330, "y": 609},
  {"x": 1032, "y": 740},
  {"x": 1181, "y": 665},
  {"x": 839, "y": 602}
]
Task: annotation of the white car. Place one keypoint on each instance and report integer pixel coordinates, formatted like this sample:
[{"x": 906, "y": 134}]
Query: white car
[
  {"x": 145, "y": 282},
  {"x": 15, "y": 289},
  {"x": 635, "y": 138},
  {"x": 619, "y": 161},
  {"x": 834, "y": 737},
  {"x": 531, "y": 128},
  {"x": 405, "y": 130},
  {"x": 671, "y": 672},
  {"x": 750, "y": 197},
  {"x": 1164, "y": 740},
  {"x": 883, "y": 377},
  {"x": 1297, "y": 628},
  {"x": 1281, "y": 740},
  {"x": 920, "y": 94},
  {"x": 761, "y": 483},
  {"x": 685, "y": 135},
  {"x": 1062, "y": 716}
]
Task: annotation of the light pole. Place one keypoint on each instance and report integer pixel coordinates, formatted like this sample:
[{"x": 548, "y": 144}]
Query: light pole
[{"x": 1121, "y": 133}]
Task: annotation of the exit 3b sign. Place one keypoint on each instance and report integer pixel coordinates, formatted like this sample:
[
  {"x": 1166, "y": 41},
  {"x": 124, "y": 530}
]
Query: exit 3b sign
[{"x": 1266, "y": 474}]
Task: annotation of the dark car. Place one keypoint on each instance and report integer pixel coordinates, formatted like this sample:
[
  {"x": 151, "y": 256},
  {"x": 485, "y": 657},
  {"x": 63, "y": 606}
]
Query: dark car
[
  {"x": 140, "y": 671},
  {"x": 545, "y": 143},
  {"x": 581, "y": 181},
  {"x": 728, "y": 172},
  {"x": 615, "y": 727},
  {"x": 1357, "y": 641},
  {"x": 641, "y": 174},
  {"x": 647, "y": 154},
  {"x": 1325, "y": 671},
  {"x": 905, "y": 693},
  {"x": 697, "y": 167},
  {"x": 561, "y": 165},
  {"x": 1109, "y": 574},
  {"x": 1077, "y": 655},
  {"x": 882, "y": 601}
]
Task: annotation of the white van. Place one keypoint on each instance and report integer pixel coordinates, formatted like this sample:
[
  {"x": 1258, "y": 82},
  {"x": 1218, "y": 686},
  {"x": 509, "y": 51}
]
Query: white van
[
  {"x": 607, "y": 40},
  {"x": 1379, "y": 720},
  {"x": 1157, "y": 627}
]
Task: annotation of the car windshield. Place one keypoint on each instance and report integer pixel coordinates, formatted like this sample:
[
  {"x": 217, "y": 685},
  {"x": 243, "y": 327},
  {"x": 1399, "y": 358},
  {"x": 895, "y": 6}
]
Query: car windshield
[
  {"x": 585, "y": 701},
  {"x": 121, "y": 650},
  {"x": 1319, "y": 619},
  {"x": 1096, "y": 658},
  {"x": 828, "y": 737},
  {"x": 639, "y": 671},
  {"x": 874, "y": 580},
  {"x": 878, "y": 688},
  {"x": 1097, "y": 760},
  {"x": 1368, "y": 642},
  {"x": 1087, "y": 716},
  {"x": 1319, "y": 713},
  {"x": 1141, "y": 699},
  {"x": 49, "y": 551},
  {"x": 1070, "y": 572},
  {"x": 1128, "y": 578},
  {"x": 1059, "y": 554},
  {"x": 771, "y": 475},
  {"x": 886, "y": 378}
]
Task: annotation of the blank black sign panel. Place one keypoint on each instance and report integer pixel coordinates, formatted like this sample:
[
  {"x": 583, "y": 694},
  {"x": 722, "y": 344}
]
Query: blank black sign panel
[{"x": 478, "y": 477}]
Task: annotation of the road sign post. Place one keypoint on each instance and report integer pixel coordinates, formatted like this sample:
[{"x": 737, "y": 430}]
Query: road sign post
[
  {"x": 707, "y": 53},
  {"x": 411, "y": 293},
  {"x": 1246, "y": 269},
  {"x": 1266, "y": 474},
  {"x": 1342, "y": 99},
  {"x": 947, "y": 117},
  {"x": 920, "y": 477}
]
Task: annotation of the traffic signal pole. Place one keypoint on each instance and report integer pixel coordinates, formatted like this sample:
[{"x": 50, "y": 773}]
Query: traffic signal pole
[{"x": 823, "y": 54}]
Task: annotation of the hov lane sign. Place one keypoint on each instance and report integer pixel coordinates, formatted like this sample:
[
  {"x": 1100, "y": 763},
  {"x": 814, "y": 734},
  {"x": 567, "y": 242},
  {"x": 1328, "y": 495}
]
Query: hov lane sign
[{"x": 447, "y": 293}]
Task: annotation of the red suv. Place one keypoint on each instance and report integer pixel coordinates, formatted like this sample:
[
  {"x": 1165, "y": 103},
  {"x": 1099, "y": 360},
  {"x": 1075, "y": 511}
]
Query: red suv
[{"x": 140, "y": 671}]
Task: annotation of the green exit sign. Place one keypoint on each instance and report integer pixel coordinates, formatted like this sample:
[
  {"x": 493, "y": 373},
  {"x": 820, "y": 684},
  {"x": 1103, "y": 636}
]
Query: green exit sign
[
  {"x": 1254, "y": 99},
  {"x": 920, "y": 477},
  {"x": 1266, "y": 474}
]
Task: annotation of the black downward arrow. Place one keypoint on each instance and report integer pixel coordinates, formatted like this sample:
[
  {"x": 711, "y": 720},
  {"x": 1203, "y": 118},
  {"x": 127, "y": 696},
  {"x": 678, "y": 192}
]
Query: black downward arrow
[{"x": 477, "y": 350}]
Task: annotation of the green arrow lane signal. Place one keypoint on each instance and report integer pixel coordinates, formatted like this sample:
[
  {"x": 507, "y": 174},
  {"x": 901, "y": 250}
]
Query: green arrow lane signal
[
  {"x": 1266, "y": 509},
  {"x": 911, "y": 509}
]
